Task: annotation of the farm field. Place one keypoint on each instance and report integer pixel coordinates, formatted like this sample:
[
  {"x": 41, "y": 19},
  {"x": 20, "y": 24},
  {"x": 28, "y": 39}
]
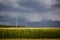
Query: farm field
[
  {"x": 26, "y": 28},
  {"x": 29, "y": 39},
  {"x": 30, "y": 33}
]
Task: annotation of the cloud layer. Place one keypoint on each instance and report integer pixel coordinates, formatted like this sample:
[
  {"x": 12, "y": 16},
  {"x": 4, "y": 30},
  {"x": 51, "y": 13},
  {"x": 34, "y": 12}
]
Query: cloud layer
[{"x": 30, "y": 10}]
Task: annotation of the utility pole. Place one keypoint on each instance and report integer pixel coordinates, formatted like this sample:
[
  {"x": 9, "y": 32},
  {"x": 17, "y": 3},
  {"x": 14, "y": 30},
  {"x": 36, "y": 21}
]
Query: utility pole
[{"x": 16, "y": 20}]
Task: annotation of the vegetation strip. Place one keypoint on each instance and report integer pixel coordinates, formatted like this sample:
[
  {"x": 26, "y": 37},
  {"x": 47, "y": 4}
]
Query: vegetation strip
[
  {"x": 29, "y": 28},
  {"x": 30, "y": 33},
  {"x": 29, "y": 39}
]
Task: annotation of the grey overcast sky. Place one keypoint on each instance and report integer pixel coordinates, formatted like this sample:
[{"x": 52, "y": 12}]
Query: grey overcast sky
[{"x": 29, "y": 10}]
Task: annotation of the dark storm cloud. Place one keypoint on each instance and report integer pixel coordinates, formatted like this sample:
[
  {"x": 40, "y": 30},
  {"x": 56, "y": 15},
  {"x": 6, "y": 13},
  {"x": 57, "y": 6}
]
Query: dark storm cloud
[
  {"x": 30, "y": 10},
  {"x": 11, "y": 9},
  {"x": 57, "y": 4},
  {"x": 34, "y": 5},
  {"x": 27, "y": 6}
]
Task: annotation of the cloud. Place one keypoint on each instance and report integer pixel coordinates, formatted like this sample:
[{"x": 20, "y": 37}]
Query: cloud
[
  {"x": 46, "y": 2},
  {"x": 6, "y": 23},
  {"x": 34, "y": 17},
  {"x": 57, "y": 4},
  {"x": 26, "y": 5},
  {"x": 53, "y": 15},
  {"x": 31, "y": 10}
]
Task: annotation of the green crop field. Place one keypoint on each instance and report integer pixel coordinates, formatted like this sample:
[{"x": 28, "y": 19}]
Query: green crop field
[
  {"x": 29, "y": 39},
  {"x": 29, "y": 33}
]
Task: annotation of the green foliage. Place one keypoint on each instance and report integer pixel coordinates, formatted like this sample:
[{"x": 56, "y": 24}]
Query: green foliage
[{"x": 29, "y": 33}]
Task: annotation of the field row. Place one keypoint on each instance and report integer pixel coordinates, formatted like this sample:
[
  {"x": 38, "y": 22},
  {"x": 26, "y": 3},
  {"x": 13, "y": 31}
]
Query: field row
[
  {"x": 29, "y": 39},
  {"x": 30, "y": 28},
  {"x": 29, "y": 33}
]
